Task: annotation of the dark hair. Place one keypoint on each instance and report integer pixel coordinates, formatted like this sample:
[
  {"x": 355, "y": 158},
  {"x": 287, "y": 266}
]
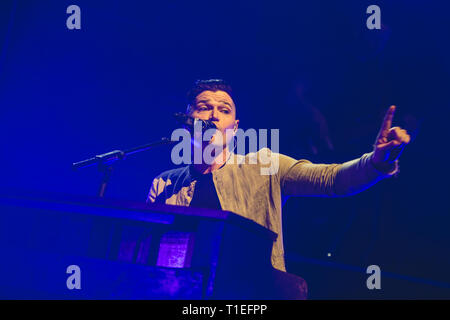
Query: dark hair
[{"x": 204, "y": 85}]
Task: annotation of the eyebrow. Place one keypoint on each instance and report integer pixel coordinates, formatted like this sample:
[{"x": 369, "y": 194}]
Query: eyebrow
[{"x": 224, "y": 102}]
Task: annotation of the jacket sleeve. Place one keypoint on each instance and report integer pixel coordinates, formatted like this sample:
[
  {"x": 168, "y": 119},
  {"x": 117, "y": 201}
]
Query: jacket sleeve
[
  {"x": 303, "y": 178},
  {"x": 156, "y": 189}
]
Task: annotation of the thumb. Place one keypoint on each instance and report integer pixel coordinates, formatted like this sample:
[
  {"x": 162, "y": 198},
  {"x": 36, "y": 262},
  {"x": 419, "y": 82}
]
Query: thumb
[{"x": 389, "y": 145}]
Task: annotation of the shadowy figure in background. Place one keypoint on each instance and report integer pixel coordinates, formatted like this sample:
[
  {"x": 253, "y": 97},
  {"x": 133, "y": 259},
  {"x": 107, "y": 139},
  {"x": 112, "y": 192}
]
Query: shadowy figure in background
[{"x": 312, "y": 132}]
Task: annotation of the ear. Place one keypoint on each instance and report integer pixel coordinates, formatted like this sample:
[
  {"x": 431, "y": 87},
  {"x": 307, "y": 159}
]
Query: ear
[{"x": 236, "y": 125}]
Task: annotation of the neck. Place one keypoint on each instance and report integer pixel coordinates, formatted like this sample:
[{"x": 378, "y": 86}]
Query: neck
[{"x": 218, "y": 162}]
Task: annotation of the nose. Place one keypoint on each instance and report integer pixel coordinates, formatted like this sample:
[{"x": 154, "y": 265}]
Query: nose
[{"x": 214, "y": 115}]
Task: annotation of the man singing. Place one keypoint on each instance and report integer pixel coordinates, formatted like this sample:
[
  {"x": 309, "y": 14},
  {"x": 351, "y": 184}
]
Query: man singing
[{"x": 235, "y": 183}]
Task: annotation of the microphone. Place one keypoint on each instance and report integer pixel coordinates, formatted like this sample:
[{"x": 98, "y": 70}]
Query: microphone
[{"x": 189, "y": 122}]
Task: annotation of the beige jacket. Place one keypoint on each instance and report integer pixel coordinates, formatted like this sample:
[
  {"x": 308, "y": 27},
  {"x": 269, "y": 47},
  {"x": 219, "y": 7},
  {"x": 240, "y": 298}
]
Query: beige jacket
[{"x": 244, "y": 186}]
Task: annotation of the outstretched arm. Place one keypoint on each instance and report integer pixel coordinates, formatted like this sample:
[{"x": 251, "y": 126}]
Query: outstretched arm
[{"x": 303, "y": 178}]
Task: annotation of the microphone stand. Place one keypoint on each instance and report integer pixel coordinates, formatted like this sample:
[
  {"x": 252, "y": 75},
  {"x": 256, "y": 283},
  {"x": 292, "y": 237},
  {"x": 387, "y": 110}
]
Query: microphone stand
[{"x": 105, "y": 161}]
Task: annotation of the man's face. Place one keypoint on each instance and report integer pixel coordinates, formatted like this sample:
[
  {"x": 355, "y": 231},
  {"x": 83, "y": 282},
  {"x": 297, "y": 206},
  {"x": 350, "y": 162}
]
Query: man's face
[{"x": 218, "y": 107}]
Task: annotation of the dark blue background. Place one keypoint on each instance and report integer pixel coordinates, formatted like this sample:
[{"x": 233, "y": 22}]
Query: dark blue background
[{"x": 66, "y": 95}]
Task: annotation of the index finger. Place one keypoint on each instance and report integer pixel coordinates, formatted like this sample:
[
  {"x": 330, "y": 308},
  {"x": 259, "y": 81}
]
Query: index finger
[{"x": 387, "y": 121}]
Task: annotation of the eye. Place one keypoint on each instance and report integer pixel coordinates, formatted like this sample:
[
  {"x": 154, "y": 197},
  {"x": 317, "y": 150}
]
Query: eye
[
  {"x": 226, "y": 111},
  {"x": 202, "y": 108}
]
